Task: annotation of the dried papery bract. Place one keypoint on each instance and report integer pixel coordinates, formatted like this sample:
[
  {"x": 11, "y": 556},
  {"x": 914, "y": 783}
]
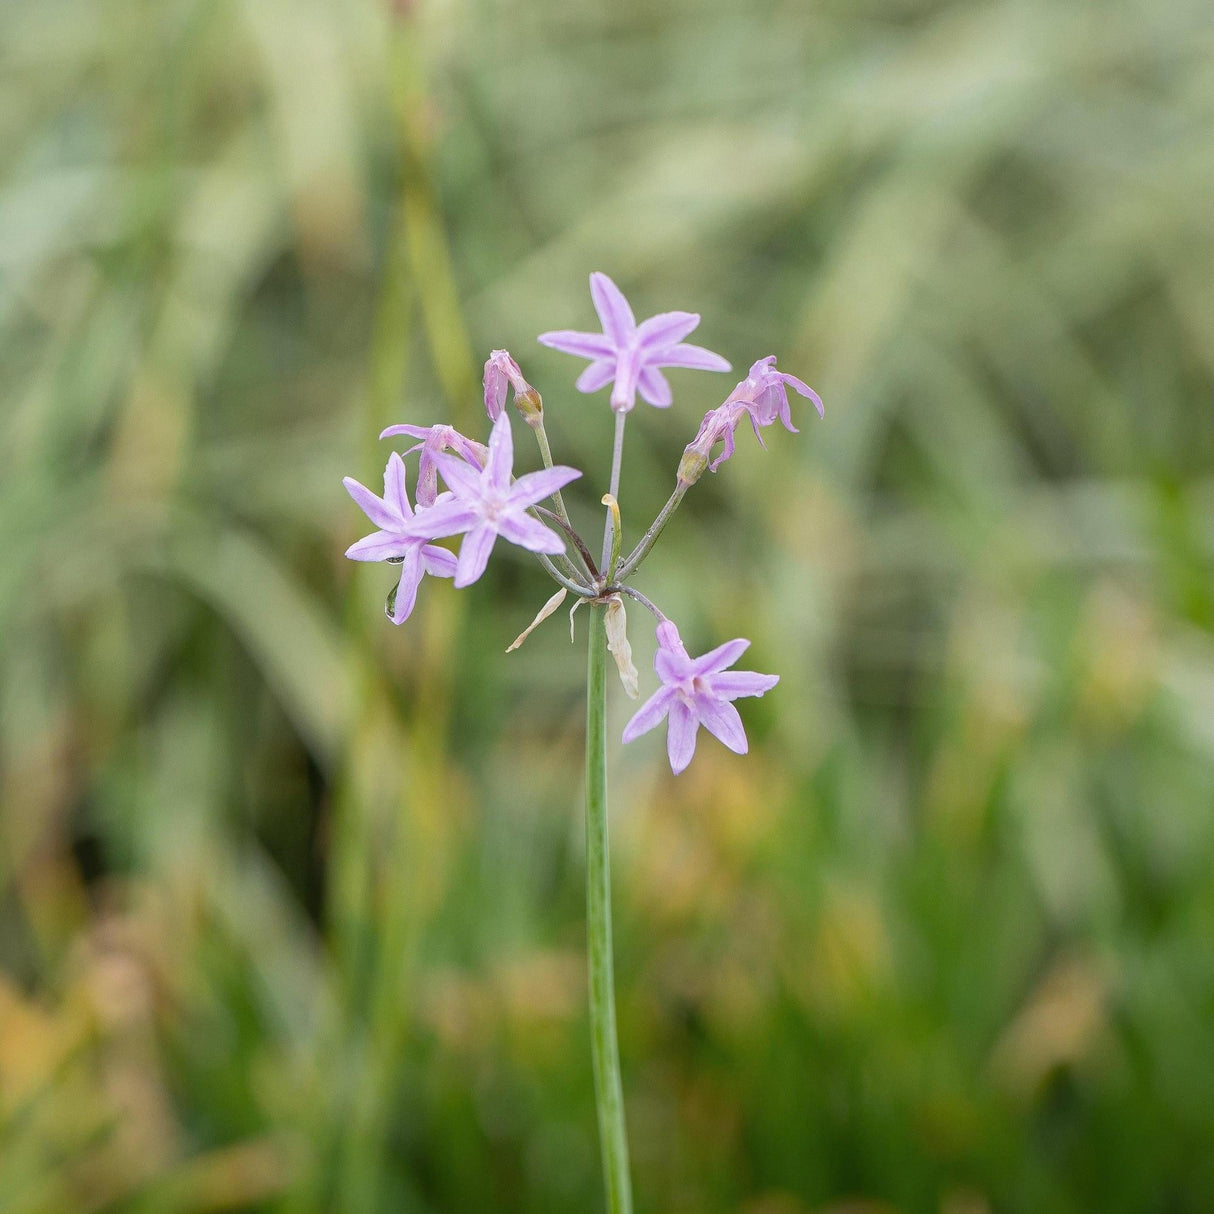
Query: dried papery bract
[{"x": 484, "y": 502}]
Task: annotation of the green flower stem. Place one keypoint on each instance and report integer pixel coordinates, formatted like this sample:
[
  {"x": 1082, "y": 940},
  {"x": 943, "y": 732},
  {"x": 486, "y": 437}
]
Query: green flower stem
[
  {"x": 608, "y": 1088},
  {"x": 641, "y": 551},
  {"x": 541, "y": 438},
  {"x": 617, "y": 459}
]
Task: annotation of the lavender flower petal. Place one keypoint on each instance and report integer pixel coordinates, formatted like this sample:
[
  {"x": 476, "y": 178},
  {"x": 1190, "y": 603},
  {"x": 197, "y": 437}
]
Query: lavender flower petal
[
  {"x": 732, "y": 684},
  {"x": 535, "y": 486},
  {"x": 682, "y": 724},
  {"x": 584, "y": 345},
  {"x": 444, "y": 518},
  {"x": 439, "y": 562},
  {"x": 411, "y": 573},
  {"x": 720, "y": 657},
  {"x": 598, "y": 375},
  {"x": 474, "y": 554},
  {"x": 529, "y": 533},
  {"x": 373, "y": 506},
  {"x": 721, "y": 720},
  {"x": 649, "y": 715},
  {"x": 616, "y": 316},
  {"x": 501, "y": 455},
  {"x": 379, "y": 546},
  {"x": 665, "y": 329},
  {"x": 396, "y": 493},
  {"x": 655, "y": 388},
  {"x": 695, "y": 357},
  {"x": 461, "y": 477}
]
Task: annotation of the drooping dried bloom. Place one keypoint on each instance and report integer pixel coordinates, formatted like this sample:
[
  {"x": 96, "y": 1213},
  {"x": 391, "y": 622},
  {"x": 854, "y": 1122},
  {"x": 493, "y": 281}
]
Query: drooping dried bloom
[
  {"x": 485, "y": 504},
  {"x": 694, "y": 692},
  {"x": 436, "y": 440},
  {"x": 395, "y": 541},
  {"x": 763, "y": 397},
  {"x": 630, "y": 354}
]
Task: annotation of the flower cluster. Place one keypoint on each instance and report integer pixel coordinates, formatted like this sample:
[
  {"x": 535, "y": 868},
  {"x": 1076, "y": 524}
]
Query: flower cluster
[{"x": 482, "y": 501}]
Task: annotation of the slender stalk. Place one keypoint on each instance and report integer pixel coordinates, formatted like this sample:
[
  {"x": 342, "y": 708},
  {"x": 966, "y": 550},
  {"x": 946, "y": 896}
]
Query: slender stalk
[
  {"x": 591, "y": 568},
  {"x": 541, "y": 438},
  {"x": 557, "y": 576},
  {"x": 641, "y": 551},
  {"x": 617, "y": 458},
  {"x": 608, "y": 1088},
  {"x": 647, "y": 603}
]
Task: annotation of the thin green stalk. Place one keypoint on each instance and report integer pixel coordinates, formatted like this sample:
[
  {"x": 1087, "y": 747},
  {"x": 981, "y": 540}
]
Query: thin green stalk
[
  {"x": 617, "y": 460},
  {"x": 641, "y": 551},
  {"x": 541, "y": 438},
  {"x": 609, "y": 1092}
]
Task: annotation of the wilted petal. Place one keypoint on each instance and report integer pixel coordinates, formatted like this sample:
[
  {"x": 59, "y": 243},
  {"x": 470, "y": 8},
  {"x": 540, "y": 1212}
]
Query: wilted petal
[
  {"x": 616, "y": 622},
  {"x": 474, "y": 554},
  {"x": 695, "y": 357},
  {"x": 529, "y": 533},
  {"x": 540, "y": 616},
  {"x": 535, "y": 486},
  {"x": 720, "y": 657},
  {"x": 654, "y": 387},
  {"x": 681, "y": 735},
  {"x": 726, "y": 450},
  {"x": 805, "y": 390},
  {"x": 373, "y": 506},
  {"x": 583, "y": 345},
  {"x": 619, "y": 324},
  {"x": 649, "y": 714},
  {"x": 732, "y": 684},
  {"x": 379, "y": 546},
  {"x": 665, "y": 329},
  {"x": 439, "y": 562},
  {"x": 597, "y": 375}
]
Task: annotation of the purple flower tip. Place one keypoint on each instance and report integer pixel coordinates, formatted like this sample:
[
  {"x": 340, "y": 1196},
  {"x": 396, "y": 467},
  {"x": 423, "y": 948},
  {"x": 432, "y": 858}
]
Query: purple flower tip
[
  {"x": 694, "y": 692},
  {"x": 630, "y": 355}
]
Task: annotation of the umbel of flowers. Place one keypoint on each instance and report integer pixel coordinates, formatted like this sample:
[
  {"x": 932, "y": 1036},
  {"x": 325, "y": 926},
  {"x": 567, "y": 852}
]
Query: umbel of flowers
[{"x": 482, "y": 502}]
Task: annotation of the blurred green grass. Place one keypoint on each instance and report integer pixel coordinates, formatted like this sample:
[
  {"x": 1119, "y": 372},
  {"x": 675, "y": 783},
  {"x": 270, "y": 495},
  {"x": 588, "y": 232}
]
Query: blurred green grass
[{"x": 290, "y": 900}]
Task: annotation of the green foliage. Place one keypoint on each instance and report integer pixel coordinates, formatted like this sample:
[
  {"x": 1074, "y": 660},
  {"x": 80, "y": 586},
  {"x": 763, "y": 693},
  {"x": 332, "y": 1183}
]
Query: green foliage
[{"x": 291, "y": 907}]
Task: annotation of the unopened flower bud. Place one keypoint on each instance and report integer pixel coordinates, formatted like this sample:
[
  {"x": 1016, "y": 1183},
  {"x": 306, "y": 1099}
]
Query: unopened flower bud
[
  {"x": 501, "y": 371},
  {"x": 692, "y": 465},
  {"x": 529, "y": 404}
]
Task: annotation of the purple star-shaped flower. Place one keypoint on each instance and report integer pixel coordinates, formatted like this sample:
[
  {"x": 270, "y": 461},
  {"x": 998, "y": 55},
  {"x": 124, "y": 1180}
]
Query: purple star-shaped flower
[
  {"x": 395, "y": 541},
  {"x": 484, "y": 504},
  {"x": 631, "y": 354},
  {"x": 695, "y": 692},
  {"x": 763, "y": 397},
  {"x": 436, "y": 440}
]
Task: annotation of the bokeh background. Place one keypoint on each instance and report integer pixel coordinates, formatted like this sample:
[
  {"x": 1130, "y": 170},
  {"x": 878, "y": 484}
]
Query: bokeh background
[{"x": 291, "y": 900}]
